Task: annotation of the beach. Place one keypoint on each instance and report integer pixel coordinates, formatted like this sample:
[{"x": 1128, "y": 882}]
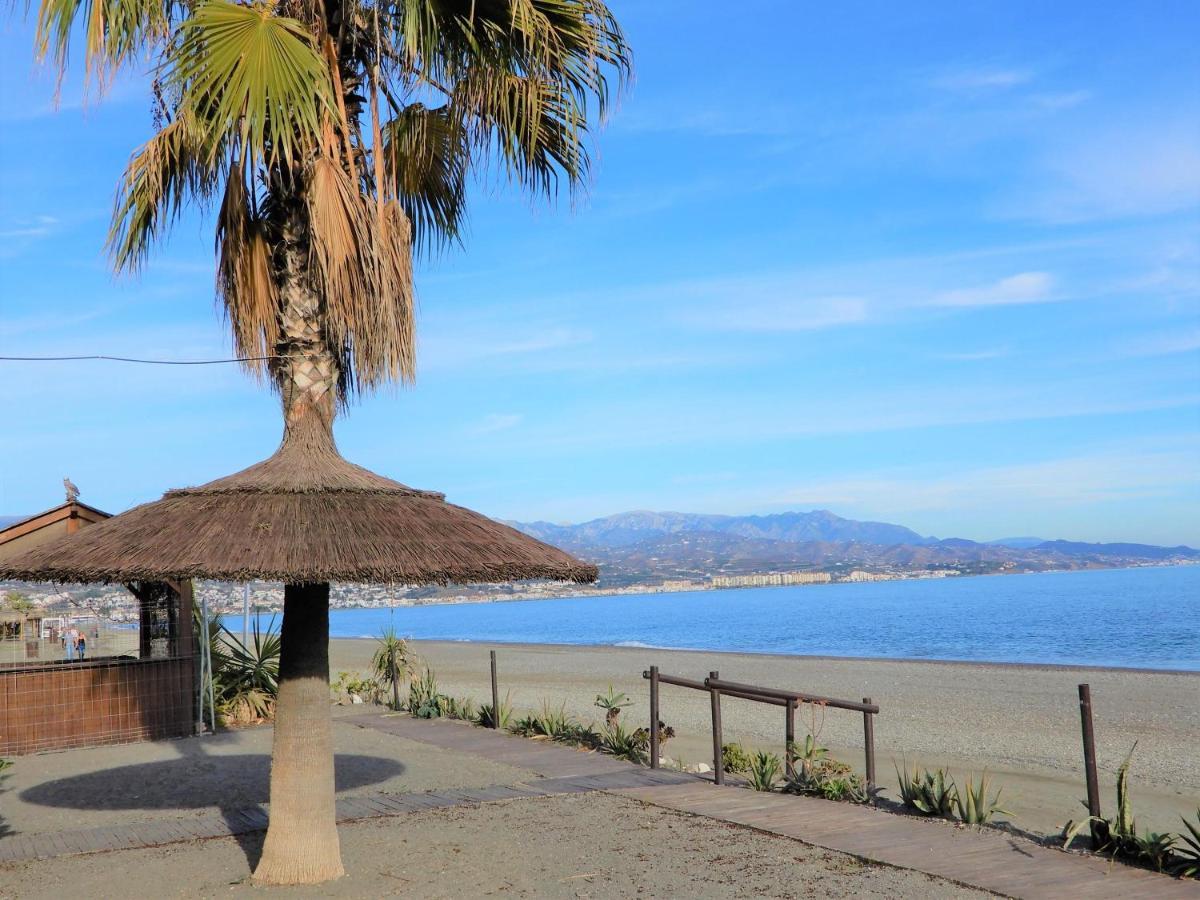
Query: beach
[{"x": 1020, "y": 722}]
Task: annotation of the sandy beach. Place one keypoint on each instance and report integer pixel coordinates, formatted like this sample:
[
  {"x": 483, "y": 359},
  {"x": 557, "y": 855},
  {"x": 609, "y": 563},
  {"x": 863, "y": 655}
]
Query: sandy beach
[{"x": 1020, "y": 722}]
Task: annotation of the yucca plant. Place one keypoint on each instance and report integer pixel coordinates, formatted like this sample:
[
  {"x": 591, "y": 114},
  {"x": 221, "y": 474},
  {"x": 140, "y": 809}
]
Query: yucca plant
[
  {"x": 764, "y": 771},
  {"x": 424, "y": 699},
  {"x": 973, "y": 805},
  {"x": 929, "y": 793},
  {"x": 391, "y": 664},
  {"x": 330, "y": 140},
  {"x": 1186, "y": 862}
]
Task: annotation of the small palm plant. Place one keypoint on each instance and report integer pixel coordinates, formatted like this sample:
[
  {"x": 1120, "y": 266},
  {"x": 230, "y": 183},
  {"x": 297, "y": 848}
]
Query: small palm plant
[
  {"x": 612, "y": 703},
  {"x": 246, "y": 676}
]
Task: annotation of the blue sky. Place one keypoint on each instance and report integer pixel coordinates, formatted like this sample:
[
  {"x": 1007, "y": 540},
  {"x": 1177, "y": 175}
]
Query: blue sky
[{"x": 937, "y": 264}]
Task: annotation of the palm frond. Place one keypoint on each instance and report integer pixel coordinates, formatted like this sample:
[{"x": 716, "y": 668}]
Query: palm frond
[
  {"x": 246, "y": 285},
  {"x": 178, "y": 164},
  {"x": 361, "y": 265},
  {"x": 255, "y": 75},
  {"x": 427, "y": 156},
  {"x": 113, "y": 30}
]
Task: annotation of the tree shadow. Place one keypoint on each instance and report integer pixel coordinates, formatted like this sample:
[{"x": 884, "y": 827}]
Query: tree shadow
[{"x": 230, "y": 783}]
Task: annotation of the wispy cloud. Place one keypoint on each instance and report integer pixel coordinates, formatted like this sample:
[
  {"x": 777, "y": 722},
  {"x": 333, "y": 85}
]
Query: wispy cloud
[
  {"x": 1186, "y": 341},
  {"x": 779, "y": 315},
  {"x": 1025, "y": 287},
  {"x": 971, "y": 80},
  {"x": 974, "y": 355},
  {"x": 494, "y": 422}
]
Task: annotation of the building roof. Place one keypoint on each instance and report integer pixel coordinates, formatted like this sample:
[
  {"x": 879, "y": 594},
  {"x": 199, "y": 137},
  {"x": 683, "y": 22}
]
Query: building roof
[{"x": 45, "y": 527}]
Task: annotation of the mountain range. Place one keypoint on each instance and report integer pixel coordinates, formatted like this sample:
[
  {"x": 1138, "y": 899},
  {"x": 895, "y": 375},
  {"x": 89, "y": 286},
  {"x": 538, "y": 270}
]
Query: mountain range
[{"x": 638, "y": 546}]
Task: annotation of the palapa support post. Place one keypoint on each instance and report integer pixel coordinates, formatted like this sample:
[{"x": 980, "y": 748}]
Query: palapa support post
[
  {"x": 655, "y": 737},
  {"x": 1089, "y": 759},
  {"x": 495, "y": 692},
  {"x": 789, "y": 738},
  {"x": 869, "y": 747},
  {"x": 718, "y": 766}
]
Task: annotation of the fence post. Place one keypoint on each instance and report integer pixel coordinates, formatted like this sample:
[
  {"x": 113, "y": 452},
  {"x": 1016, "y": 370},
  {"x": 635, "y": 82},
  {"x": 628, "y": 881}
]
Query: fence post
[
  {"x": 1089, "y": 757},
  {"x": 718, "y": 767},
  {"x": 655, "y": 737},
  {"x": 789, "y": 738},
  {"x": 869, "y": 745},
  {"x": 495, "y": 693}
]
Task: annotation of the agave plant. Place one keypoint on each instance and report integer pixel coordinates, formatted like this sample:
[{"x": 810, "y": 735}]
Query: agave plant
[
  {"x": 622, "y": 743},
  {"x": 765, "y": 769},
  {"x": 929, "y": 793},
  {"x": 1119, "y": 837},
  {"x": 488, "y": 717},
  {"x": 424, "y": 699},
  {"x": 819, "y": 775},
  {"x": 1187, "y": 854},
  {"x": 974, "y": 807}
]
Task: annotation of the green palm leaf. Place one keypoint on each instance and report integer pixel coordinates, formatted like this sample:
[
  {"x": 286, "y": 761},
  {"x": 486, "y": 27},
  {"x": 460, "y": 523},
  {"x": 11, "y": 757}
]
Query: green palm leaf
[
  {"x": 254, "y": 74},
  {"x": 427, "y": 157}
]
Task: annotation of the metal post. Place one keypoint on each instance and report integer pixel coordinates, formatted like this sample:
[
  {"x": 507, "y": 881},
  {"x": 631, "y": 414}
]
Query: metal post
[
  {"x": 395, "y": 670},
  {"x": 654, "y": 735},
  {"x": 869, "y": 745},
  {"x": 718, "y": 765},
  {"x": 495, "y": 693},
  {"x": 207, "y": 650},
  {"x": 245, "y": 613},
  {"x": 789, "y": 737},
  {"x": 1089, "y": 757}
]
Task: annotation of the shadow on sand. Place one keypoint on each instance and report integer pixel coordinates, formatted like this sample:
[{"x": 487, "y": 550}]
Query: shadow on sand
[{"x": 226, "y": 782}]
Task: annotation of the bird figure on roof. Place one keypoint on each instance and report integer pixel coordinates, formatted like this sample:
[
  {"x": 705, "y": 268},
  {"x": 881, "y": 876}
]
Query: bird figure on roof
[{"x": 72, "y": 491}]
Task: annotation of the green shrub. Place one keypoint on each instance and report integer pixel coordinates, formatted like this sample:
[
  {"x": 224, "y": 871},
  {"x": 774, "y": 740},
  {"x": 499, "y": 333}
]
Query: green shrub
[
  {"x": 929, "y": 793},
  {"x": 245, "y": 677},
  {"x": 735, "y": 758},
  {"x": 973, "y": 805},
  {"x": 816, "y": 774},
  {"x": 424, "y": 699},
  {"x": 764, "y": 771},
  {"x": 623, "y": 744},
  {"x": 463, "y": 708}
]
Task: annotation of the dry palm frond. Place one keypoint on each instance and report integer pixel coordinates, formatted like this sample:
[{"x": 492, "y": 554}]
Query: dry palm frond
[
  {"x": 245, "y": 281},
  {"x": 176, "y": 165},
  {"x": 362, "y": 268},
  {"x": 113, "y": 30}
]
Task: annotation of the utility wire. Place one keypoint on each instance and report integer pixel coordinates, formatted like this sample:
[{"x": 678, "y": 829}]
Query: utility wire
[{"x": 128, "y": 359}]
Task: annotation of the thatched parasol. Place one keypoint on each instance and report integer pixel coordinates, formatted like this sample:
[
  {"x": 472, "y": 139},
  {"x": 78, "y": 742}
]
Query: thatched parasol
[{"x": 305, "y": 514}]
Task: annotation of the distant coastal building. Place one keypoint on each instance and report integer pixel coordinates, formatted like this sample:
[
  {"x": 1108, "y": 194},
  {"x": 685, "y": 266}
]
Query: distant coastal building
[
  {"x": 859, "y": 575},
  {"x": 770, "y": 579}
]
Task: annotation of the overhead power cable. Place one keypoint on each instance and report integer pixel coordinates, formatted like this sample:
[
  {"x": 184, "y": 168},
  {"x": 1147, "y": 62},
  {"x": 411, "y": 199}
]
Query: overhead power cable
[{"x": 129, "y": 359}]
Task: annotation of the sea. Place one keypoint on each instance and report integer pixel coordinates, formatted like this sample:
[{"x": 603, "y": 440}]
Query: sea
[{"x": 1146, "y": 618}]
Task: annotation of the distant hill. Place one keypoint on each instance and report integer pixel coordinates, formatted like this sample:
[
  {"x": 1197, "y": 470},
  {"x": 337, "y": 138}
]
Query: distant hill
[
  {"x": 639, "y": 546},
  {"x": 627, "y": 529}
]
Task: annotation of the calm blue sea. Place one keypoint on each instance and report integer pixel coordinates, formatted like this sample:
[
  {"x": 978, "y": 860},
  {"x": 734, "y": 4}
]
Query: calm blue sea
[{"x": 1147, "y": 618}]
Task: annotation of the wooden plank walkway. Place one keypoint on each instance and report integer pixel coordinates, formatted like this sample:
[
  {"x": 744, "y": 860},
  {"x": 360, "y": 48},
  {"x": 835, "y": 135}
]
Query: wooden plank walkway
[{"x": 989, "y": 860}]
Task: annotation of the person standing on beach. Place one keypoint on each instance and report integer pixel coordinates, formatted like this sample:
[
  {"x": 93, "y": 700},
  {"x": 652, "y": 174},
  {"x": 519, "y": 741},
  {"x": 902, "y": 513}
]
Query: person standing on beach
[
  {"x": 71, "y": 638},
  {"x": 81, "y": 645}
]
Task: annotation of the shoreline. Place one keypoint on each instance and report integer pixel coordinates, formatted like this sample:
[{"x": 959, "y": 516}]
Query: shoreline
[{"x": 804, "y": 657}]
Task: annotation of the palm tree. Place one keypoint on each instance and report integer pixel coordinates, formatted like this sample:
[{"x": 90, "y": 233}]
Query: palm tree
[{"x": 334, "y": 137}]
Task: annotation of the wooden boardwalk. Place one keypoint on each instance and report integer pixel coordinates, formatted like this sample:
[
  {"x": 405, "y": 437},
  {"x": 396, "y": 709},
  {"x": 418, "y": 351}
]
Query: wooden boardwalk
[{"x": 989, "y": 860}]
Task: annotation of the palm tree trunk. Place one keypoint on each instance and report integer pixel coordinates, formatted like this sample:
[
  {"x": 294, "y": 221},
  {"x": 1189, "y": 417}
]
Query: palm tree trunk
[
  {"x": 302, "y": 844},
  {"x": 302, "y": 841}
]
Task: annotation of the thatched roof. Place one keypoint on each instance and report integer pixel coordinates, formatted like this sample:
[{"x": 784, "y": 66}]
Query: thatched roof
[{"x": 302, "y": 515}]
